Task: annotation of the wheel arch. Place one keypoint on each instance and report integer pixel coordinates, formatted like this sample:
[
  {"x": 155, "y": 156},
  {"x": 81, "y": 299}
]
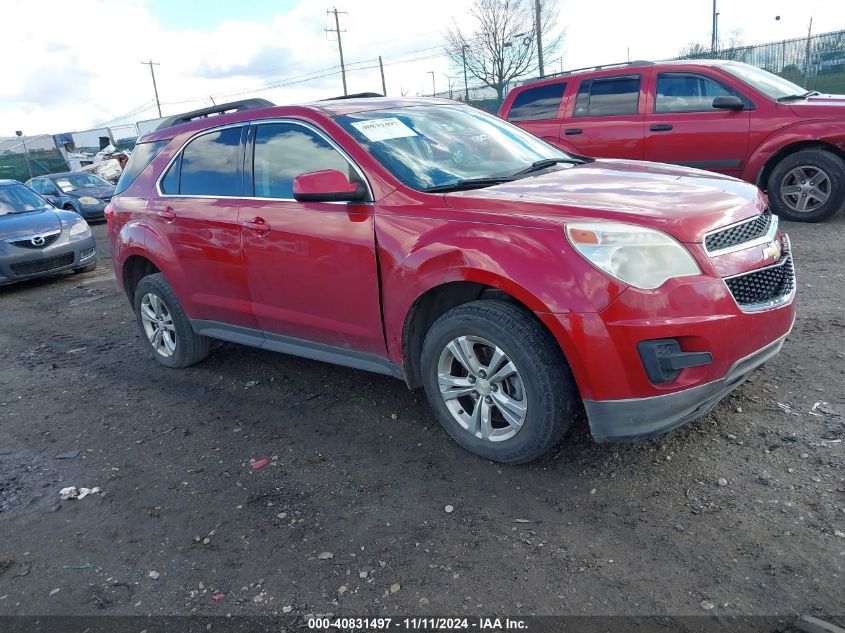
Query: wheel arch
[
  {"x": 792, "y": 148},
  {"x": 134, "y": 269},
  {"x": 439, "y": 299}
]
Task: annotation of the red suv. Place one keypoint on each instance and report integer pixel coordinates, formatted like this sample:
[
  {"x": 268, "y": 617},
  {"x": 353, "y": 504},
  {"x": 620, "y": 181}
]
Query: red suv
[
  {"x": 721, "y": 116},
  {"x": 513, "y": 282}
]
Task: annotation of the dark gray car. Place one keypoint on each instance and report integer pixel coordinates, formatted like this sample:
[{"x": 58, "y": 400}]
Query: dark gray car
[
  {"x": 86, "y": 194},
  {"x": 37, "y": 239}
]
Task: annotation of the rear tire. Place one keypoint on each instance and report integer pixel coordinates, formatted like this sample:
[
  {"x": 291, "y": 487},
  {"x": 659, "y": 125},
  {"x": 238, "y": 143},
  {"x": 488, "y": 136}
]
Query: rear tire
[
  {"x": 516, "y": 399},
  {"x": 807, "y": 186},
  {"x": 165, "y": 326}
]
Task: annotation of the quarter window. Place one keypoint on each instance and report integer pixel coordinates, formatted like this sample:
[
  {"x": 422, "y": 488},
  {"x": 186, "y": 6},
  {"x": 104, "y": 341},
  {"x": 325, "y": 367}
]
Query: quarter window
[
  {"x": 283, "y": 151},
  {"x": 211, "y": 165},
  {"x": 541, "y": 102},
  {"x": 608, "y": 97},
  {"x": 687, "y": 93}
]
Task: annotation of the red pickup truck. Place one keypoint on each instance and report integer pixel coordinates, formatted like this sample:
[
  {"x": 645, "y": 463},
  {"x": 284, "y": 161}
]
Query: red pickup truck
[{"x": 716, "y": 115}]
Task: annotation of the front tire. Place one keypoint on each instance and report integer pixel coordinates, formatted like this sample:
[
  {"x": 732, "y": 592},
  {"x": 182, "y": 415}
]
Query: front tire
[
  {"x": 807, "y": 186},
  {"x": 497, "y": 381},
  {"x": 165, "y": 326}
]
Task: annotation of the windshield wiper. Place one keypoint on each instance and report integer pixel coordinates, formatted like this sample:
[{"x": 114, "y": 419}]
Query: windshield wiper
[
  {"x": 546, "y": 162},
  {"x": 809, "y": 93},
  {"x": 469, "y": 183}
]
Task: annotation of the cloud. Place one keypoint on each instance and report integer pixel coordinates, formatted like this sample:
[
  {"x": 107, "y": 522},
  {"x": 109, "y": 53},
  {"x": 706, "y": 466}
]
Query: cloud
[
  {"x": 47, "y": 87},
  {"x": 268, "y": 60}
]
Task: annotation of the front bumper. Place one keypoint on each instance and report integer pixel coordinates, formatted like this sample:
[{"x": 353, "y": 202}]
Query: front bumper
[
  {"x": 19, "y": 264},
  {"x": 643, "y": 418},
  {"x": 703, "y": 316},
  {"x": 93, "y": 212}
]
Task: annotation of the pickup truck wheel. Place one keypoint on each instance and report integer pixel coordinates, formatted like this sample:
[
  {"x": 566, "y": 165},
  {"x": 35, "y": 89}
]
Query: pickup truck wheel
[
  {"x": 497, "y": 381},
  {"x": 807, "y": 186},
  {"x": 165, "y": 326}
]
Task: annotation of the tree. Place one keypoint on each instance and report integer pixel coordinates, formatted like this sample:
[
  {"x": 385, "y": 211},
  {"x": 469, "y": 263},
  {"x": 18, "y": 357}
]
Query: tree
[
  {"x": 694, "y": 50},
  {"x": 502, "y": 43}
]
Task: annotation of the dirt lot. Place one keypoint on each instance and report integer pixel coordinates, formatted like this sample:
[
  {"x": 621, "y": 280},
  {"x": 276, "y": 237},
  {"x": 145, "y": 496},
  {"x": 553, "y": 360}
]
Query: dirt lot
[{"x": 360, "y": 469}]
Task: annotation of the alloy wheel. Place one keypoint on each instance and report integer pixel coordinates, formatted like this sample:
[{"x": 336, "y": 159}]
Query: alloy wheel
[
  {"x": 805, "y": 188},
  {"x": 482, "y": 388},
  {"x": 158, "y": 324}
]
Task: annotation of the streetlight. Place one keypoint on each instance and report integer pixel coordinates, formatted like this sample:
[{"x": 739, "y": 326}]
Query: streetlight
[
  {"x": 433, "y": 89},
  {"x": 19, "y": 134},
  {"x": 464, "y": 48}
]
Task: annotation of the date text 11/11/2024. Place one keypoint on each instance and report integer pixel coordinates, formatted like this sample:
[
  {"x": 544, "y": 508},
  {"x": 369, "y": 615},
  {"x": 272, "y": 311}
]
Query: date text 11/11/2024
[{"x": 360, "y": 625}]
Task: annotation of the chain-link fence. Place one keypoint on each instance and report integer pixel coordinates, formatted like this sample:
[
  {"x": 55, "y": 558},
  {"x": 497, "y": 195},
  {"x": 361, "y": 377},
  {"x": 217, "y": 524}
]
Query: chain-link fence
[
  {"x": 23, "y": 157},
  {"x": 816, "y": 62}
]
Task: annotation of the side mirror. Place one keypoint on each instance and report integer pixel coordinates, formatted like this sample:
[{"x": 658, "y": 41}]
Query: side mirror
[
  {"x": 328, "y": 185},
  {"x": 728, "y": 103}
]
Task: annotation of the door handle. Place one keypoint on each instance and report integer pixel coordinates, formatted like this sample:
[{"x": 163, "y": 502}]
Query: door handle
[
  {"x": 572, "y": 131},
  {"x": 167, "y": 214},
  {"x": 259, "y": 225},
  {"x": 660, "y": 127}
]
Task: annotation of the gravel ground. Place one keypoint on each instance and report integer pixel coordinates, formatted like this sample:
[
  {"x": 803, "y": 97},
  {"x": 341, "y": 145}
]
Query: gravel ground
[{"x": 365, "y": 505}]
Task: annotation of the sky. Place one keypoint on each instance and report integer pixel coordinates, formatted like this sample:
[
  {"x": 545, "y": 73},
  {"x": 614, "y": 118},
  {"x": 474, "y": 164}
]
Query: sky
[{"x": 71, "y": 66}]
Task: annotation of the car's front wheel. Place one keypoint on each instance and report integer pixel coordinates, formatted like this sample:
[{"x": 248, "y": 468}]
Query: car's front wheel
[
  {"x": 165, "y": 326},
  {"x": 807, "y": 186},
  {"x": 498, "y": 381}
]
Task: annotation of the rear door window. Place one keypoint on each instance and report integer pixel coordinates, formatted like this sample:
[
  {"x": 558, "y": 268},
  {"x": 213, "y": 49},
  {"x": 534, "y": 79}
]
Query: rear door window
[
  {"x": 541, "y": 102},
  {"x": 211, "y": 165},
  {"x": 611, "y": 96}
]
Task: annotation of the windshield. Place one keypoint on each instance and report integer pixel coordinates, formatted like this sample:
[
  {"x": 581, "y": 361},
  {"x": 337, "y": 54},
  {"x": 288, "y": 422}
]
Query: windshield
[
  {"x": 435, "y": 146},
  {"x": 20, "y": 199},
  {"x": 72, "y": 182},
  {"x": 764, "y": 81}
]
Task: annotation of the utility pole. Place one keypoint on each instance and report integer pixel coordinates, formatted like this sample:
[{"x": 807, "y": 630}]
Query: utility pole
[
  {"x": 538, "y": 25},
  {"x": 464, "y": 48},
  {"x": 433, "y": 89},
  {"x": 715, "y": 29},
  {"x": 151, "y": 63},
  {"x": 337, "y": 30},
  {"x": 381, "y": 69},
  {"x": 807, "y": 57}
]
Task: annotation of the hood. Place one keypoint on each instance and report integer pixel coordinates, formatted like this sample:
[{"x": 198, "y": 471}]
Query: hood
[
  {"x": 683, "y": 202},
  {"x": 15, "y": 225},
  {"x": 827, "y": 106},
  {"x": 102, "y": 192}
]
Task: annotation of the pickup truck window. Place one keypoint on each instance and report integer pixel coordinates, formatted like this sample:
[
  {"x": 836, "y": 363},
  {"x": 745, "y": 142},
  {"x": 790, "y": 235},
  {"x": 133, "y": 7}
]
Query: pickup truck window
[
  {"x": 541, "y": 102},
  {"x": 681, "y": 92},
  {"x": 609, "y": 96}
]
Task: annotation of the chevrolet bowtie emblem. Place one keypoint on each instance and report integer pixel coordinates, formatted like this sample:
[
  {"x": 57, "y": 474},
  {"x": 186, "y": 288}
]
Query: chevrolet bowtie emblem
[{"x": 773, "y": 250}]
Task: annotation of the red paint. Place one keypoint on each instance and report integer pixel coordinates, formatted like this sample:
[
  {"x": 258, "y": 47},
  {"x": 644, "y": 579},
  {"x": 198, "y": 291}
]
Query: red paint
[
  {"x": 327, "y": 181},
  {"x": 747, "y": 138},
  {"x": 349, "y": 274},
  {"x": 258, "y": 464}
]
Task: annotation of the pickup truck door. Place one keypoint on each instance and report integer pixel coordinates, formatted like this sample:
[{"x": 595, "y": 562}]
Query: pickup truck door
[
  {"x": 682, "y": 127},
  {"x": 311, "y": 266}
]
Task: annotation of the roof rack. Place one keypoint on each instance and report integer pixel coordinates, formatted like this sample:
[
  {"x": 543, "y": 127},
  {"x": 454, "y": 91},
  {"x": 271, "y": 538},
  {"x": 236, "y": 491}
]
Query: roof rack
[
  {"x": 636, "y": 62},
  {"x": 357, "y": 95},
  {"x": 223, "y": 108}
]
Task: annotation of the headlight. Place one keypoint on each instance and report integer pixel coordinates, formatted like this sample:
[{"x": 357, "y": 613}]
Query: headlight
[
  {"x": 88, "y": 200},
  {"x": 80, "y": 229},
  {"x": 635, "y": 255}
]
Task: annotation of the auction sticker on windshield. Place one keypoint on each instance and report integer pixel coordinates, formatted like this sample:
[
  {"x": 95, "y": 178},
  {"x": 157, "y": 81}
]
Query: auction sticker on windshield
[{"x": 383, "y": 129}]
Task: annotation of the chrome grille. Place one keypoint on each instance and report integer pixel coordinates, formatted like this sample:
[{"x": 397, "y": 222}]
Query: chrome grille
[
  {"x": 739, "y": 233},
  {"x": 28, "y": 242},
  {"x": 764, "y": 287}
]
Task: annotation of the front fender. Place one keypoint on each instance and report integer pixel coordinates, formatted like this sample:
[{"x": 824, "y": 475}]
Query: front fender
[
  {"x": 821, "y": 131},
  {"x": 535, "y": 266}
]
